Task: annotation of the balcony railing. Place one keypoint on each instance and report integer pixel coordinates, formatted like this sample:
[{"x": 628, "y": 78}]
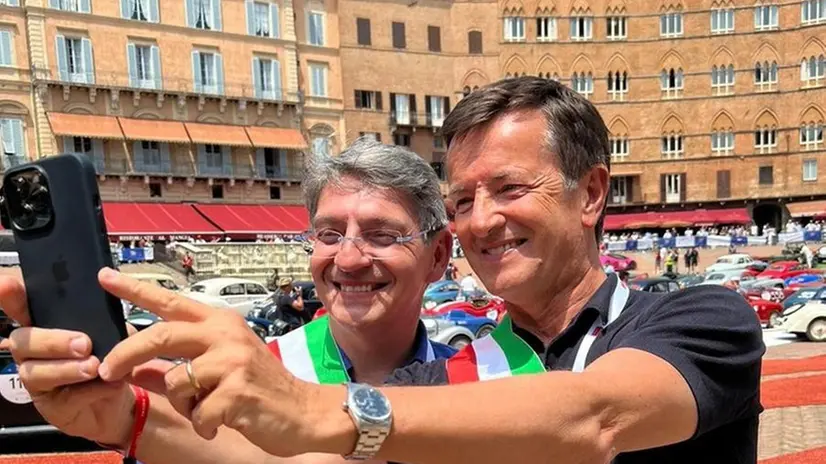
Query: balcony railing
[{"x": 122, "y": 81}]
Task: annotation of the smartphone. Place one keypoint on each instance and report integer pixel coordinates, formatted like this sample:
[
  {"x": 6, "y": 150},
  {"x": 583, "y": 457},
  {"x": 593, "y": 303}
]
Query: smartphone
[{"x": 54, "y": 210}]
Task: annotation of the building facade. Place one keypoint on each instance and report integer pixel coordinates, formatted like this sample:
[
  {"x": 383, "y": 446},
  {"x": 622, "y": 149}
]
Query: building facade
[
  {"x": 186, "y": 100},
  {"x": 710, "y": 103}
]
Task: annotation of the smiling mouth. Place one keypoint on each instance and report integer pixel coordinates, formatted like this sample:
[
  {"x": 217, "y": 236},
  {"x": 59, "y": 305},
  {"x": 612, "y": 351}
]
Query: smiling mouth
[
  {"x": 503, "y": 248},
  {"x": 363, "y": 288}
]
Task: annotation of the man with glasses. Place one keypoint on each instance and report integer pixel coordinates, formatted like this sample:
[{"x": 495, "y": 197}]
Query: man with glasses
[{"x": 379, "y": 237}]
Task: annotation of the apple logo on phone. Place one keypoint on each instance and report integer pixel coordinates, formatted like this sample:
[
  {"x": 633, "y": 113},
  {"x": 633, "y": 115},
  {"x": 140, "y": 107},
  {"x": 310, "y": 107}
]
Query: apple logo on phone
[{"x": 60, "y": 270}]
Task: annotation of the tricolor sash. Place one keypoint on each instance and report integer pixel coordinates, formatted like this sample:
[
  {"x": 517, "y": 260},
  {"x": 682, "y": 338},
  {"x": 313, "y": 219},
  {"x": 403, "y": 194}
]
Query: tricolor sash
[
  {"x": 311, "y": 354},
  {"x": 504, "y": 354}
]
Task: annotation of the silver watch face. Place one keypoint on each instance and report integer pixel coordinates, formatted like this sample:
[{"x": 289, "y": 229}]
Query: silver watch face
[{"x": 371, "y": 404}]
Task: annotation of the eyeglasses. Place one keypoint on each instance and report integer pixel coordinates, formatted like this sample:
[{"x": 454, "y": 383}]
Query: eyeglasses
[{"x": 377, "y": 243}]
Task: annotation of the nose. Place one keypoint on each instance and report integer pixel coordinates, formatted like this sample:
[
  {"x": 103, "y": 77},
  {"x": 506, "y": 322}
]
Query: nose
[
  {"x": 485, "y": 216},
  {"x": 350, "y": 257}
]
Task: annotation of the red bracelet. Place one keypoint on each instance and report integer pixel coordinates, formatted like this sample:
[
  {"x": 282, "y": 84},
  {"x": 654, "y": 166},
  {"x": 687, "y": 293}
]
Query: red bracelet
[{"x": 141, "y": 414}]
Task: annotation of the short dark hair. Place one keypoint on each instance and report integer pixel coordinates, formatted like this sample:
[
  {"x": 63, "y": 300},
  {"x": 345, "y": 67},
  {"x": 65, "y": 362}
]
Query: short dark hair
[{"x": 576, "y": 132}]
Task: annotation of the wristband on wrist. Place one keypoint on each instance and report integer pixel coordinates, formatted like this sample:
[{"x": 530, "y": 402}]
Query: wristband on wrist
[{"x": 141, "y": 414}]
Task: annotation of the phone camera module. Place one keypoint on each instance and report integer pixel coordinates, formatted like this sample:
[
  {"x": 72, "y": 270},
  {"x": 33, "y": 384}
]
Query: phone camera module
[{"x": 28, "y": 201}]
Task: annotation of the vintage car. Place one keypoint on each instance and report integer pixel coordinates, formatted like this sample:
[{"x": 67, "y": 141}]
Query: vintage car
[
  {"x": 738, "y": 261},
  {"x": 618, "y": 262},
  {"x": 488, "y": 306},
  {"x": 239, "y": 295},
  {"x": 806, "y": 320}
]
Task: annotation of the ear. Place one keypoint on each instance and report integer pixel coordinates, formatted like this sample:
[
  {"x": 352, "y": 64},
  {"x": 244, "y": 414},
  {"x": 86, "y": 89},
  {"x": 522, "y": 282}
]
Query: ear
[
  {"x": 594, "y": 189},
  {"x": 442, "y": 247}
]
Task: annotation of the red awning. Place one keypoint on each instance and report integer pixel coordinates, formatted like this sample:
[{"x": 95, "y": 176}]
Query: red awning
[
  {"x": 156, "y": 220},
  {"x": 696, "y": 217},
  {"x": 254, "y": 220}
]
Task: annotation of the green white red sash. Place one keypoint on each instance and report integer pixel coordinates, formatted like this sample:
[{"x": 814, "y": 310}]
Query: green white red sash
[
  {"x": 311, "y": 354},
  {"x": 504, "y": 354}
]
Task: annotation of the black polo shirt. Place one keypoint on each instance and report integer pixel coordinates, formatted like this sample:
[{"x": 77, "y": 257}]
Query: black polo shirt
[{"x": 708, "y": 333}]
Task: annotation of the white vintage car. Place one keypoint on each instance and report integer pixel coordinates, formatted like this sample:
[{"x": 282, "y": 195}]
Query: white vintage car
[
  {"x": 239, "y": 295},
  {"x": 730, "y": 263},
  {"x": 806, "y": 320}
]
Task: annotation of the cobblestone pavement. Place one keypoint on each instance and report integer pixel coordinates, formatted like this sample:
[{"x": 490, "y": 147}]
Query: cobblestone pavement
[{"x": 790, "y": 430}]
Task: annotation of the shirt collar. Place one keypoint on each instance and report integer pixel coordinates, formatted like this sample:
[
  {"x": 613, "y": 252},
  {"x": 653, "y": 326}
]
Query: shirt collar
[
  {"x": 601, "y": 299},
  {"x": 417, "y": 354}
]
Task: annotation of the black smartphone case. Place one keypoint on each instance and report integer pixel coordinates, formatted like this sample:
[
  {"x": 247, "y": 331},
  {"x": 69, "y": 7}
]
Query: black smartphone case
[{"x": 61, "y": 261}]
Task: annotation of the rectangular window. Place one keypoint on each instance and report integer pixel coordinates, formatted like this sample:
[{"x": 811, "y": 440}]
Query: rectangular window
[
  {"x": 617, "y": 29},
  {"x": 207, "y": 69},
  {"x": 813, "y": 70},
  {"x": 617, "y": 85},
  {"x": 723, "y": 184},
  {"x": 673, "y": 188},
  {"x": 671, "y": 24},
  {"x": 267, "y": 78},
  {"x": 434, "y": 39},
  {"x": 765, "y": 76},
  {"x": 811, "y": 136},
  {"x": 619, "y": 190},
  {"x": 812, "y": 12},
  {"x": 139, "y": 10},
  {"x": 671, "y": 83},
  {"x": 12, "y": 138},
  {"x": 401, "y": 140},
  {"x": 765, "y": 140},
  {"x": 810, "y": 170},
  {"x": 582, "y": 28},
  {"x": 399, "y": 39},
  {"x": 437, "y": 109},
  {"x": 514, "y": 28},
  {"x": 583, "y": 83},
  {"x": 722, "y": 143},
  {"x": 619, "y": 148},
  {"x": 722, "y": 20},
  {"x": 74, "y": 59},
  {"x": 765, "y": 175},
  {"x": 546, "y": 29},
  {"x": 78, "y": 6},
  {"x": 722, "y": 80},
  {"x": 144, "y": 66},
  {"x": 402, "y": 111},
  {"x": 368, "y": 100},
  {"x": 318, "y": 79},
  {"x": 363, "y": 33},
  {"x": 315, "y": 27},
  {"x": 765, "y": 17},
  {"x": 474, "y": 42},
  {"x": 204, "y": 14},
  {"x": 672, "y": 146},
  {"x": 262, "y": 19},
  {"x": 6, "y": 48}
]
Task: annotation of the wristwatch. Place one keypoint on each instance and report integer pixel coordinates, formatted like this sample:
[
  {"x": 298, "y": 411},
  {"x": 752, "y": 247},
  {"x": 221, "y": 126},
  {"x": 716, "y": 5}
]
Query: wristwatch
[{"x": 373, "y": 416}]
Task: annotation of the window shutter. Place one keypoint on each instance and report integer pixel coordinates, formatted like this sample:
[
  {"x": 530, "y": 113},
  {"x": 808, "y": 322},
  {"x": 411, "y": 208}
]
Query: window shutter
[
  {"x": 392, "y": 102},
  {"x": 202, "y": 164},
  {"x": 250, "y": 17},
  {"x": 363, "y": 30},
  {"x": 378, "y": 100},
  {"x": 8, "y": 136},
  {"x": 156, "y": 66},
  {"x": 275, "y": 21},
  {"x": 6, "y": 57},
  {"x": 100, "y": 157},
  {"x": 427, "y": 109},
  {"x": 260, "y": 167},
  {"x": 62, "y": 62},
  {"x": 68, "y": 145},
  {"x": 447, "y": 105},
  {"x": 276, "y": 79},
  {"x": 88, "y": 60},
  {"x": 216, "y": 15},
  {"x": 137, "y": 157},
  {"x": 629, "y": 189},
  {"x": 196, "y": 71},
  {"x": 132, "y": 59},
  {"x": 166, "y": 161},
  {"x": 662, "y": 188},
  {"x": 256, "y": 77},
  {"x": 154, "y": 11},
  {"x": 84, "y": 6},
  {"x": 282, "y": 162},
  {"x": 13, "y": 2},
  {"x": 434, "y": 38},
  {"x": 683, "y": 188},
  {"x": 54, "y": 4},
  {"x": 226, "y": 159},
  {"x": 219, "y": 73},
  {"x": 191, "y": 13},
  {"x": 357, "y": 99},
  {"x": 19, "y": 143},
  {"x": 124, "y": 8}
]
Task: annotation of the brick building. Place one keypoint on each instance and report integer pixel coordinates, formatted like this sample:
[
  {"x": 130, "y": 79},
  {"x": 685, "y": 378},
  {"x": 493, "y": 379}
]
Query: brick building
[{"x": 711, "y": 104}]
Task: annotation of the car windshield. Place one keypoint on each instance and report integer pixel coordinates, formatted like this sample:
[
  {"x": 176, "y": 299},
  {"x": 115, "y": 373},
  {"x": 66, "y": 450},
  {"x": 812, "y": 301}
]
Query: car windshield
[
  {"x": 725, "y": 260},
  {"x": 197, "y": 288}
]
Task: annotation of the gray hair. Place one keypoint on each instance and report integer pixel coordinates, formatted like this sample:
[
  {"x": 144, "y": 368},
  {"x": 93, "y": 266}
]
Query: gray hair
[{"x": 376, "y": 165}]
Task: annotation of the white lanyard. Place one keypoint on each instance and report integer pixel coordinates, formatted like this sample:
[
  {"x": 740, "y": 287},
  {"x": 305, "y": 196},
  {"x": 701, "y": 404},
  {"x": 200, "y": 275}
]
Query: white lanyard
[{"x": 618, "y": 300}]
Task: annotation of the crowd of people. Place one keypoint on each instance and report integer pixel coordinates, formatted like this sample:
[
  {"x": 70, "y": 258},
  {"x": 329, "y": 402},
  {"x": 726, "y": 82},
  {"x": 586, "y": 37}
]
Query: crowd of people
[{"x": 582, "y": 368}]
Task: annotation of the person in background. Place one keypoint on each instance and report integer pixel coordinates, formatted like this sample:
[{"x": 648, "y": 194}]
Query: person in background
[
  {"x": 290, "y": 303},
  {"x": 450, "y": 272},
  {"x": 187, "y": 263}
]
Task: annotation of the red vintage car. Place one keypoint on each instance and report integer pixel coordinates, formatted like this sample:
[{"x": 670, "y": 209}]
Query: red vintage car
[
  {"x": 491, "y": 307},
  {"x": 784, "y": 270},
  {"x": 767, "y": 311}
]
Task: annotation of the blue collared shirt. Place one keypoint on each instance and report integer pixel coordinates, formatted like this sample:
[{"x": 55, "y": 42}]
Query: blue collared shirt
[{"x": 421, "y": 346}]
